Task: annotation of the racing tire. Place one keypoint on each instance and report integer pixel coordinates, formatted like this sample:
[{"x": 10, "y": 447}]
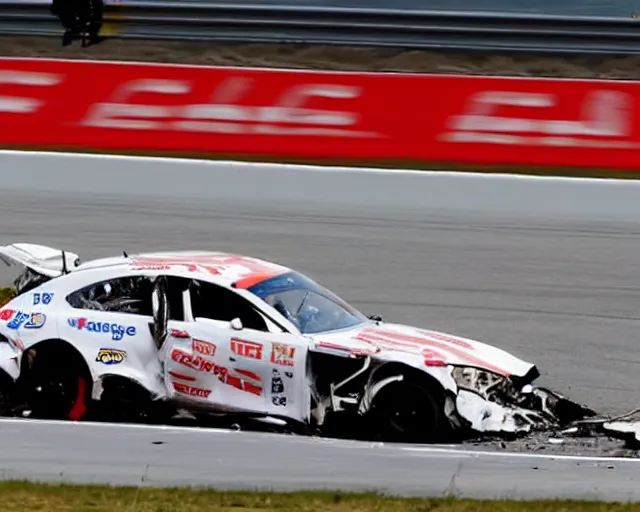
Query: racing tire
[
  {"x": 57, "y": 386},
  {"x": 124, "y": 401},
  {"x": 407, "y": 411},
  {"x": 7, "y": 395}
]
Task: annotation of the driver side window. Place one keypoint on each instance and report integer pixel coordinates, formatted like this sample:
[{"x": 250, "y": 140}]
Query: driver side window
[
  {"x": 214, "y": 302},
  {"x": 218, "y": 303}
]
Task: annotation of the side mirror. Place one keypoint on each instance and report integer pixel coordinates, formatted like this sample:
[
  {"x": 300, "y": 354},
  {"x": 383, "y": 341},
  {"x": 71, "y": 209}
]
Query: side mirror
[{"x": 236, "y": 324}]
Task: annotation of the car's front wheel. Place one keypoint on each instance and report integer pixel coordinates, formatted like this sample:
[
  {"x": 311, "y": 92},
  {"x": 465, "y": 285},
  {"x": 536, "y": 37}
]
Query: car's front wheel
[{"x": 408, "y": 410}]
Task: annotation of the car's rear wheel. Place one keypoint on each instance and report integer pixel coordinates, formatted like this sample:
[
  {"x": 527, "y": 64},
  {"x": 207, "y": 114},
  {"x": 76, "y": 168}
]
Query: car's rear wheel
[
  {"x": 409, "y": 410},
  {"x": 57, "y": 385},
  {"x": 7, "y": 395}
]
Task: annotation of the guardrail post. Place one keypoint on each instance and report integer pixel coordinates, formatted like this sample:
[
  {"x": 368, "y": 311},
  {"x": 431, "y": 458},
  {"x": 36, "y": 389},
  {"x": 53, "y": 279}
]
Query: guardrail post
[{"x": 113, "y": 19}]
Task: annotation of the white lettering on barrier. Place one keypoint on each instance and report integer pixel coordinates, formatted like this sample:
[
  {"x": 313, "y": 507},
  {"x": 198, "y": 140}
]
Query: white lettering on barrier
[
  {"x": 22, "y": 105},
  {"x": 604, "y": 114},
  {"x": 111, "y": 114},
  {"x": 223, "y": 116}
]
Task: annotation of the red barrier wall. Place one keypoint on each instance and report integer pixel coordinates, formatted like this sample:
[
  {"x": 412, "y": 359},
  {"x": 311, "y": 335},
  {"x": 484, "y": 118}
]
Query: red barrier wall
[{"x": 482, "y": 120}]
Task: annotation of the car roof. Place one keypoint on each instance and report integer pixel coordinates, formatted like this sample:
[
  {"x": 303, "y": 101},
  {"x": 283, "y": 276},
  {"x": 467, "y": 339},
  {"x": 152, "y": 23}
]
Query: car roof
[{"x": 220, "y": 267}]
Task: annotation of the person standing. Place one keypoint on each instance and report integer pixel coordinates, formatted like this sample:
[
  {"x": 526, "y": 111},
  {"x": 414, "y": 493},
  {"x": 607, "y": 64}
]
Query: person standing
[{"x": 81, "y": 19}]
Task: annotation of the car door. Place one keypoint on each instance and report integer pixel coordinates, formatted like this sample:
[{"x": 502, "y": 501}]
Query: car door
[{"x": 218, "y": 350}]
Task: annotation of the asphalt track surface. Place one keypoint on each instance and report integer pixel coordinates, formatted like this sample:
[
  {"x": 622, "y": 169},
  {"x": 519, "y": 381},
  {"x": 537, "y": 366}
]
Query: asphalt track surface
[
  {"x": 546, "y": 269},
  {"x": 134, "y": 455}
]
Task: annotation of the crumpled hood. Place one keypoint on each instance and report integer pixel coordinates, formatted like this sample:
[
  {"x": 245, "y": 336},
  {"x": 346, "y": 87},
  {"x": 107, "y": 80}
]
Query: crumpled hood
[{"x": 431, "y": 346}]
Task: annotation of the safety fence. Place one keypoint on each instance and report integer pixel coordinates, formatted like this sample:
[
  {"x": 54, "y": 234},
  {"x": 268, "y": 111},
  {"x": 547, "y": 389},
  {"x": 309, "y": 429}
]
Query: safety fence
[
  {"x": 262, "y": 113},
  {"x": 306, "y": 23}
]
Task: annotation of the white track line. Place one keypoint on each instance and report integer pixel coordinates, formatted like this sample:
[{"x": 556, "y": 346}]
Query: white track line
[
  {"x": 520, "y": 455},
  {"x": 320, "y": 168}
]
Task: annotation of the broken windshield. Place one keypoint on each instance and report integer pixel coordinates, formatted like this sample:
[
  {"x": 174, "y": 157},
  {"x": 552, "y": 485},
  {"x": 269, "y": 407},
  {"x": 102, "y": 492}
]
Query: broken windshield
[{"x": 309, "y": 306}]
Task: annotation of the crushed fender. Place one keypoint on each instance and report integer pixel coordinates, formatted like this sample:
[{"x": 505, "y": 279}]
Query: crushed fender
[{"x": 531, "y": 410}]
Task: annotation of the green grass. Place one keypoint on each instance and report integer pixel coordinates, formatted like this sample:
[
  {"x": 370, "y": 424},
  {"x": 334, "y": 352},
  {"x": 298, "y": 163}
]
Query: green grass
[
  {"x": 23, "y": 497},
  {"x": 384, "y": 164}
]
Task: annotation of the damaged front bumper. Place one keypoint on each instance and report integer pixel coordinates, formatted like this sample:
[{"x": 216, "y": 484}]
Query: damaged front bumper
[{"x": 489, "y": 403}]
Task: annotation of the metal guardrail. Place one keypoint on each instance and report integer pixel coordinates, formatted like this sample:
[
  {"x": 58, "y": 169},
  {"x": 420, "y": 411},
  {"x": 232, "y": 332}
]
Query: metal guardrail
[{"x": 369, "y": 27}]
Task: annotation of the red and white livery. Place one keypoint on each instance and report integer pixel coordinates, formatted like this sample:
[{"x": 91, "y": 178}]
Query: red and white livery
[{"x": 209, "y": 333}]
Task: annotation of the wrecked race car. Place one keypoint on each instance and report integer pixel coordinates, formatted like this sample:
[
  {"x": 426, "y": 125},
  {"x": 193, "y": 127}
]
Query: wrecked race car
[{"x": 148, "y": 336}]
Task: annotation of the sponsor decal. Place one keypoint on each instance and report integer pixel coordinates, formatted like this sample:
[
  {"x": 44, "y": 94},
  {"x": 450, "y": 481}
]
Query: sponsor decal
[
  {"x": 234, "y": 378},
  {"x": 197, "y": 363},
  {"x": 111, "y": 356},
  {"x": 42, "y": 298},
  {"x": 279, "y": 401},
  {"x": 158, "y": 267},
  {"x": 117, "y": 331},
  {"x": 36, "y": 321},
  {"x": 203, "y": 347},
  {"x": 282, "y": 354},
  {"x": 19, "y": 319},
  {"x": 245, "y": 348},
  {"x": 191, "y": 390},
  {"x": 6, "y": 314},
  {"x": 177, "y": 333},
  {"x": 277, "y": 390},
  {"x": 288, "y": 375},
  {"x": 277, "y": 385}
]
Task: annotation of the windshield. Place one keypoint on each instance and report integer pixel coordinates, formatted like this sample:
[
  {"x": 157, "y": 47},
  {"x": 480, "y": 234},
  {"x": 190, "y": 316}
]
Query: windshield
[{"x": 309, "y": 306}]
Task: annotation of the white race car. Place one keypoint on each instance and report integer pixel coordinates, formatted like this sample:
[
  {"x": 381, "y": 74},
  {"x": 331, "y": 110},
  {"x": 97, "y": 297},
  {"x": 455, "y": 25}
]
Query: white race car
[{"x": 208, "y": 333}]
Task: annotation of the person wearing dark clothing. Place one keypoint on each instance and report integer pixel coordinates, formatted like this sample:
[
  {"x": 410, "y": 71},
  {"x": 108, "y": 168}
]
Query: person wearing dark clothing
[{"x": 79, "y": 18}]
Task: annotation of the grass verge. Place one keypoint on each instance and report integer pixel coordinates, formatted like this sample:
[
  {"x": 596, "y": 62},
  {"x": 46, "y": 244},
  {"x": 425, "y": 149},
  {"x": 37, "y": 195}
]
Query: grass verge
[
  {"x": 25, "y": 497},
  {"x": 575, "y": 172}
]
